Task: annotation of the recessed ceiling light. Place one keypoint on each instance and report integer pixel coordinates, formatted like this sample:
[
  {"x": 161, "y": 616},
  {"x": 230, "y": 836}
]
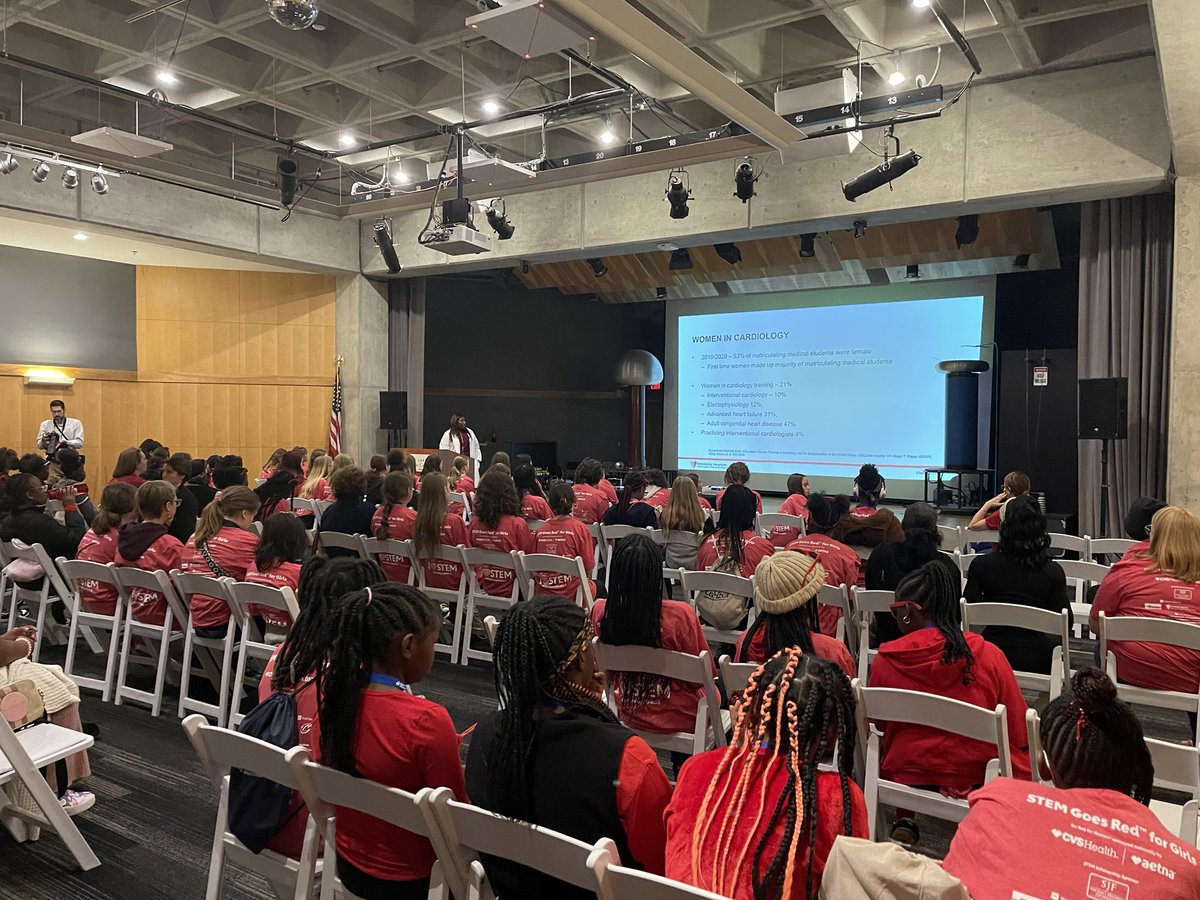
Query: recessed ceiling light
[
  {"x": 346, "y": 139},
  {"x": 317, "y": 26},
  {"x": 165, "y": 76},
  {"x": 896, "y": 78},
  {"x": 399, "y": 176},
  {"x": 607, "y": 137},
  {"x": 491, "y": 107},
  {"x": 80, "y": 236}
]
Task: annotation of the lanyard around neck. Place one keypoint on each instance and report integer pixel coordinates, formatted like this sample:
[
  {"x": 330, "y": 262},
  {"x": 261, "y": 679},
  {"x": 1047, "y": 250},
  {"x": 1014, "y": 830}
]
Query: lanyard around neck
[{"x": 389, "y": 680}]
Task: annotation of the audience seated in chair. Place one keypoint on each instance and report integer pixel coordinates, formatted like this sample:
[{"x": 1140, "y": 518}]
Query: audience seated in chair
[
  {"x": 434, "y": 527},
  {"x": 70, "y": 466},
  {"x": 223, "y": 546},
  {"x": 842, "y": 564},
  {"x": 1137, "y": 523},
  {"x": 757, "y": 819},
  {"x": 682, "y": 519},
  {"x": 735, "y": 548},
  {"x": 497, "y": 525},
  {"x": 394, "y": 521},
  {"x": 277, "y": 560},
  {"x": 632, "y": 509},
  {"x": 175, "y": 473},
  {"x": 785, "y": 590},
  {"x": 866, "y": 525},
  {"x": 131, "y": 465},
  {"x": 590, "y": 502},
  {"x": 316, "y": 485},
  {"x": 533, "y": 504},
  {"x": 25, "y": 502},
  {"x": 395, "y": 463},
  {"x": 349, "y": 513},
  {"x": 695, "y": 479},
  {"x": 149, "y": 545},
  {"x": 739, "y": 473},
  {"x": 526, "y": 761},
  {"x": 118, "y": 505},
  {"x": 1016, "y": 484},
  {"x": 1094, "y": 753},
  {"x": 281, "y": 485},
  {"x": 1020, "y": 572},
  {"x": 564, "y": 535},
  {"x": 934, "y": 656}
]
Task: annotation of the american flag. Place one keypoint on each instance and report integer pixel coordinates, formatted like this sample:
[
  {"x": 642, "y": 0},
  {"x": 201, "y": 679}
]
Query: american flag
[{"x": 335, "y": 415}]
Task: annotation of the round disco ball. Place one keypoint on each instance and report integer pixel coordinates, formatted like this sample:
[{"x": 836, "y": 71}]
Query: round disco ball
[{"x": 294, "y": 14}]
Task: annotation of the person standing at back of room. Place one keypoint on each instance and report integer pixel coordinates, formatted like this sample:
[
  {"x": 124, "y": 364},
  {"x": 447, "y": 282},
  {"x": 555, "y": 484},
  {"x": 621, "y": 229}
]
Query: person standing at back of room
[{"x": 59, "y": 431}]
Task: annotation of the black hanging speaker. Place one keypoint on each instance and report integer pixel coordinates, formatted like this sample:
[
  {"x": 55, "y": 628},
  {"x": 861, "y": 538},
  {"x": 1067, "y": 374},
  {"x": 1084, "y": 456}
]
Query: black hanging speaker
[
  {"x": 393, "y": 410},
  {"x": 1104, "y": 409}
]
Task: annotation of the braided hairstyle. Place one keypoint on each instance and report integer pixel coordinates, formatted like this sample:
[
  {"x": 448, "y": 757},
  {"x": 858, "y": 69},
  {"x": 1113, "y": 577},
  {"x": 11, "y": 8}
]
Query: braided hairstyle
[
  {"x": 538, "y": 645},
  {"x": 632, "y": 488},
  {"x": 633, "y": 614},
  {"x": 738, "y": 513},
  {"x": 323, "y": 583},
  {"x": 1093, "y": 740},
  {"x": 934, "y": 589},
  {"x": 796, "y": 707},
  {"x": 783, "y": 630},
  {"x": 364, "y": 628}
]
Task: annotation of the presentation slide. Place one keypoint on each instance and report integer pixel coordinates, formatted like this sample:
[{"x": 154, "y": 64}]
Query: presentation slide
[{"x": 822, "y": 382}]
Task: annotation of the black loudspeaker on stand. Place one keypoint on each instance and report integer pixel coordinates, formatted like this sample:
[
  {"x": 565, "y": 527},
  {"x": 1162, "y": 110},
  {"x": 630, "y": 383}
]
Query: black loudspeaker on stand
[
  {"x": 1103, "y": 416},
  {"x": 393, "y": 414}
]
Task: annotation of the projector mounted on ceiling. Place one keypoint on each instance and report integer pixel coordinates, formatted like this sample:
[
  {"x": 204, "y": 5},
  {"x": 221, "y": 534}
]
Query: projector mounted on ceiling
[
  {"x": 460, "y": 240},
  {"x": 122, "y": 142},
  {"x": 531, "y": 28}
]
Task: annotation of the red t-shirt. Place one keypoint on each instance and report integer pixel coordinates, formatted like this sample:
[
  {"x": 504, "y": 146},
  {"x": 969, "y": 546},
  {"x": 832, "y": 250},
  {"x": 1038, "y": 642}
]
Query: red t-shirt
[
  {"x": 754, "y": 550},
  {"x": 564, "y": 536},
  {"x": 135, "y": 480},
  {"x": 163, "y": 555},
  {"x": 658, "y": 499},
  {"x": 673, "y": 704},
  {"x": 232, "y": 548},
  {"x": 794, "y": 505},
  {"x": 290, "y": 839},
  {"x": 535, "y": 507},
  {"x": 757, "y": 499},
  {"x": 842, "y": 566},
  {"x": 321, "y": 491},
  {"x": 704, "y": 504},
  {"x": 992, "y": 521},
  {"x": 285, "y": 574},
  {"x": 408, "y": 742},
  {"x": 823, "y": 645},
  {"x": 1034, "y": 840},
  {"x": 590, "y": 504},
  {"x": 441, "y": 573},
  {"x": 605, "y": 487},
  {"x": 465, "y": 485},
  {"x": 98, "y": 597},
  {"x": 1129, "y": 589},
  {"x": 400, "y": 521},
  {"x": 511, "y": 533},
  {"x": 768, "y": 787},
  {"x": 918, "y": 754}
]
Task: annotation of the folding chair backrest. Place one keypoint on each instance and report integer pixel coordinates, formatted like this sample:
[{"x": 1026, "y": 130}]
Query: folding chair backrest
[
  {"x": 325, "y": 788},
  {"x": 769, "y": 521},
  {"x": 964, "y": 562},
  {"x": 1151, "y": 631},
  {"x": 1033, "y": 730},
  {"x": 300, "y": 503},
  {"x": 491, "y": 625},
  {"x": 470, "y": 557},
  {"x": 735, "y": 675},
  {"x": 460, "y": 497},
  {"x": 981, "y": 537},
  {"x": 693, "y": 582},
  {"x": 188, "y": 584},
  {"x": 77, "y": 570},
  {"x": 534, "y": 524},
  {"x": 1176, "y": 766},
  {"x": 376, "y": 547},
  {"x": 1070, "y": 543},
  {"x": 37, "y": 553},
  {"x": 952, "y": 538},
  {"x": 282, "y": 599},
  {"x": 160, "y": 582},
  {"x": 976, "y": 616},
  {"x": 222, "y": 749},
  {"x": 444, "y": 553},
  {"x": 616, "y": 882},
  {"x": 866, "y": 605},
  {"x": 1081, "y": 570},
  {"x": 1108, "y": 547},
  {"x": 341, "y": 541}
]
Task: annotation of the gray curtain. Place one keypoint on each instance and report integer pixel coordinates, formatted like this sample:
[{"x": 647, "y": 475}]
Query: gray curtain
[
  {"x": 406, "y": 351},
  {"x": 1124, "y": 331}
]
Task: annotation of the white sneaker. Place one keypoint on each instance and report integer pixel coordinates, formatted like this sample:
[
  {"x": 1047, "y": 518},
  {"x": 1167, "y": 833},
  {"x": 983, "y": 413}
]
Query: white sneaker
[{"x": 75, "y": 802}]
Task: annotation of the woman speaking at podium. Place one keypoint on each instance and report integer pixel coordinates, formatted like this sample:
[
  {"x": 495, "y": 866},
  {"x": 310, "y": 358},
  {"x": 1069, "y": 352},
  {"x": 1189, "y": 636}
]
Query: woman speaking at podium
[{"x": 461, "y": 439}]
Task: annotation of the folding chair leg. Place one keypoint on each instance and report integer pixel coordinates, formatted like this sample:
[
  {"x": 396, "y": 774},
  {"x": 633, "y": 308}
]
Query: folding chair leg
[
  {"x": 185, "y": 677},
  {"x": 126, "y": 650},
  {"x": 110, "y": 665},
  {"x": 161, "y": 665},
  {"x": 41, "y": 630},
  {"x": 72, "y": 637},
  {"x": 55, "y": 818},
  {"x": 216, "y": 866},
  {"x": 226, "y": 663},
  {"x": 239, "y": 677}
]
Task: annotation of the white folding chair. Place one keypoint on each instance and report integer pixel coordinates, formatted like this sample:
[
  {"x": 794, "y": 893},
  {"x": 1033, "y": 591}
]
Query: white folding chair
[
  {"x": 1033, "y": 729},
  {"x": 1151, "y": 631},
  {"x": 979, "y": 537},
  {"x": 319, "y": 507},
  {"x": 257, "y": 528},
  {"x": 395, "y": 551},
  {"x": 952, "y": 537},
  {"x": 1080, "y": 576},
  {"x": 455, "y": 598},
  {"x": 460, "y": 497},
  {"x": 609, "y": 535},
  {"x": 711, "y": 721},
  {"x": 221, "y": 750},
  {"x": 156, "y": 638},
  {"x": 252, "y": 645},
  {"x": 76, "y": 572},
  {"x": 1105, "y": 547},
  {"x": 597, "y": 550},
  {"x": 838, "y": 597},
  {"x": 470, "y": 831},
  {"x": 327, "y": 790},
  {"x": 477, "y": 599},
  {"x": 617, "y": 882},
  {"x": 340, "y": 541},
  {"x": 218, "y": 669},
  {"x": 491, "y": 625},
  {"x": 964, "y": 561},
  {"x": 52, "y": 590},
  {"x": 866, "y": 605},
  {"x": 1177, "y": 768},
  {"x": 534, "y": 564},
  {"x": 7, "y": 587},
  {"x": 978, "y": 616},
  {"x": 914, "y": 708},
  {"x": 768, "y": 522},
  {"x": 1069, "y": 543},
  {"x": 735, "y": 675},
  {"x": 300, "y": 503},
  {"x": 22, "y": 757},
  {"x": 696, "y": 583}
]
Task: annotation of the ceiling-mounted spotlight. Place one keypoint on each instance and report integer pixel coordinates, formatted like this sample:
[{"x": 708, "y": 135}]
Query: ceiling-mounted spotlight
[
  {"x": 920, "y": 4},
  {"x": 884, "y": 173},
  {"x": 498, "y": 219},
  {"x": 526, "y": 265},
  {"x": 288, "y": 171},
  {"x": 912, "y": 271},
  {"x": 9, "y": 165},
  {"x": 383, "y": 240},
  {"x": 40, "y": 172},
  {"x": 661, "y": 293},
  {"x": 968, "y": 230},
  {"x": 347, "y": 140},
  {"x": 729, "y": 252},
  {"x": 166, "y": 77},
  {"x": 491, "y": 107},
  {"x": 70, "y": 179},
  {"x": 598, "y": 266},
  {"x": 607, "y": 136},
  {"x": 678, "y": 193},
  {"x": 860, "y": 228},
  {"x": 680, "y": 259},
  {"x": 744, "y": 178},
  {"x": 295, "y": 15},
  {"x": 100, "y": 184},
  {"x": 1022, "y": 261},
  {"x": 808, "y": 245}
]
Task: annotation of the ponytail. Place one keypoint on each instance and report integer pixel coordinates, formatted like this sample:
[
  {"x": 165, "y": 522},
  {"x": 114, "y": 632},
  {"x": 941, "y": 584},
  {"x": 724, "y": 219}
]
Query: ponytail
[
  {"x": 117, "y": 501},
  {"x": 396, "y": 487},
  {"x": 228, "y": 502}
]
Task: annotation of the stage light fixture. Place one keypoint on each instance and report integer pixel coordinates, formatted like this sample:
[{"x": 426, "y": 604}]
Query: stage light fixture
[
  {"x": 920, "y": 4},
  {"x": 729, "y": 252},
  {"x": 598, "y": 266},
  {"x": 1022, "y": 261},
  {"x": 9, "y": 165},
  {"x": 661, "y": 293},
  {"x": 166, "y": 77},
  {"x": 40, "y": 172},
  {"x": 347, "y": 140},
  {"x": 491, "y": 107},
  {"x": 100, "y": 184},
  {"x": 912, "y": 271},
  {"x": 383, "y": 240},
  {"x": 678, "y": 193},
  {"x": 80, "y": 236},
  {"x": 288, "y": 171},
  {"x": 607, "y": 136},
  {"x": 744, "y": 178},
  {"x": 526, "y": 265},
  {"x": 680, "y": 259},
  {"x": 884, "y": 173},
  {"x": 808, "y": 245},
  {"x": 70, "y": 179},
  {"x": 498, "y": 219},
  {"x": 968, "y": 230},
  {"x": 860, "y": 228}
]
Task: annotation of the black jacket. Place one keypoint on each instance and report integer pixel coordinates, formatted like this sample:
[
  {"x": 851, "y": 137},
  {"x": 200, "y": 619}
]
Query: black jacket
[
  {"x": 887, "y": 566},
  {"x": 186, "y": 513},
  {"x": 33, "y": 526},
  {"x": 346, "y": 517}
]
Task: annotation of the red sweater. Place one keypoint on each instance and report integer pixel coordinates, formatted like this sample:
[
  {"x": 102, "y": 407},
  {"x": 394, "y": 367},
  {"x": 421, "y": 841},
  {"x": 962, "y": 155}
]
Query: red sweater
[
  {"x": 285, "y": 574},
  {"x": 1034, "y": 840},
  {"x": 163, "y": 555},
  {"x": 673, "y": 706},
  {"x": 233, "y": 550},
  {"x": 564, "y": 536},
  {"x": 842, "y": 566},
  {"x": 400, "y": 521},
  {"x": 1130, "y": 589},
  {"x": 98, "y": 597},
  {"x": 823, "y": 645},
  {"x": 916, "y": 754},
  {"x": 590, "y": 504},
  {"x": 511, "y": 533},
  {"x": 754, "y": 550},
  {"x": 768, "y": 781}
]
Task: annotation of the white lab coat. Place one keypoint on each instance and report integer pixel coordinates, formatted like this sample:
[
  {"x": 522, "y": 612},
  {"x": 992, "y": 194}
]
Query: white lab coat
[{"x": 450, "y": 442}]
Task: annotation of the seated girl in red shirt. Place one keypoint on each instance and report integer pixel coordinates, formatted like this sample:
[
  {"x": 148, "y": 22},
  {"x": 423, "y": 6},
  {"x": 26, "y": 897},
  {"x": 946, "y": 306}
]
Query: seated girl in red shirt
[
  {"x": 373, "y": 726},
  {"x": 462, "y": 482},
  {"x": 771, "y": 839},
  {"x": 590, "y": 502},
  {"x": 118, "y": 505},
  {"x": 796, "y": 504},
  {"x": 842, "y": 564},
  {"x": 223, "y": 545},
  {"x": 147, "y": 545},
  {"x": 436, "y": 527},
  {"x": 734, "y": 548},
  {"x": 866, "y": 525},
  {"x": 564, "y": 535},
  {"x": 271, "y": 464},
  {"x": 316, "y": 485},
  {"x": 533, "y": 505},
  {"x": 497, "y": 525},
  {"x": 934, "y": 657},
  {"x": 695, "y": 479},
  {"x": 785, "y": 590},
  {"x": 1016, "y": 484},
  {"x": 739, "y": 473},
  {"x": 1019, "y": 839},
  {"x": 277, "y": 560},
  {"x": 393, "y": 521},
  {"x": 658, "y": 492}
]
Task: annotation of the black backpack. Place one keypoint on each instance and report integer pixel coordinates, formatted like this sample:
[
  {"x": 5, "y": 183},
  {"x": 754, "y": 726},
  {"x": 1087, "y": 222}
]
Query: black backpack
[{"x": 259, "y": 807}]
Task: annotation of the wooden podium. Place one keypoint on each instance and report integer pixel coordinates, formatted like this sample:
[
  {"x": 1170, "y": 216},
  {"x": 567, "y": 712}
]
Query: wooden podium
[{"x": 447, "y": 456}]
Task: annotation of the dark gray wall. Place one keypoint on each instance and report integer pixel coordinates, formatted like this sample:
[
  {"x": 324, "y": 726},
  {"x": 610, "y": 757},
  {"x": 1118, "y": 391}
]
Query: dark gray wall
[
  {"x": 67, "y": 311},
  {"x": 486, "y": 335}
]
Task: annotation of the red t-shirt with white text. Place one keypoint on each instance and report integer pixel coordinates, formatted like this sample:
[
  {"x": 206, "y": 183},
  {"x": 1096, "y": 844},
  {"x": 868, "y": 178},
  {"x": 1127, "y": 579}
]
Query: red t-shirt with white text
[
  {"x": 535, "y": 508},
  {"x": 564, "y": 536},
  {"x": 400, "y": 521},
  {"x": 754, "y": 550},
  {"x": 163, "y": 555},
  {"x": 842, "y": 566},
  {"x": 658, "y": 499},
  {"x": 285, "y": 574},
  {"x": 441, "y": 573},
  {"x": 590, "y": 504},
  {"x": 98, "y": 597},
  {"x": 232, "y": 548},
  {"x": 794, "y": 505},
  {"x": 511, "y": 533}
]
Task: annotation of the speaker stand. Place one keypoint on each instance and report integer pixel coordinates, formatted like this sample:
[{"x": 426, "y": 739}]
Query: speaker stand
[{"x": 1104, "y": 488}]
